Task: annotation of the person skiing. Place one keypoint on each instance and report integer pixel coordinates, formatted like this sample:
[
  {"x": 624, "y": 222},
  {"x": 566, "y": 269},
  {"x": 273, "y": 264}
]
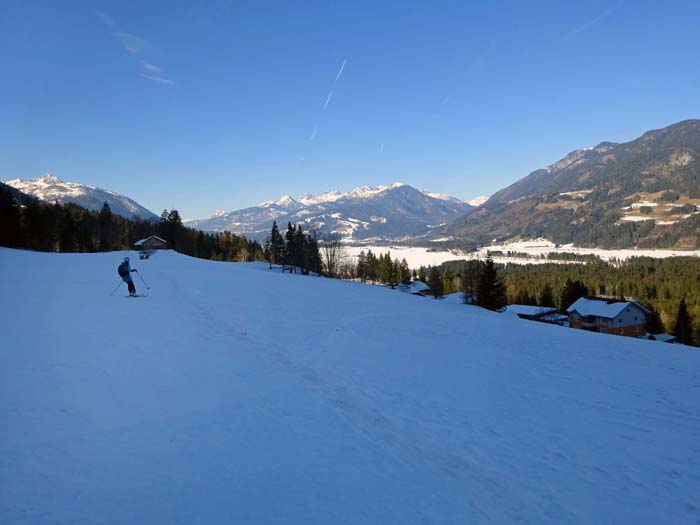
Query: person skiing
[{"x": 125, "y": 273}]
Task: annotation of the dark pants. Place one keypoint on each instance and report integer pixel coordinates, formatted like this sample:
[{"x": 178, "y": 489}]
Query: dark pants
[{"x": 132, "y": 288}]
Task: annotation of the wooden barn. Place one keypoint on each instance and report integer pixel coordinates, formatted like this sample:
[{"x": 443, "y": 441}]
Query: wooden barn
[{"x": 148, "y": 245}]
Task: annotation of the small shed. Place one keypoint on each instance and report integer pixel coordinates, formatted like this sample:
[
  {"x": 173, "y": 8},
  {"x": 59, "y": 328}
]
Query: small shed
[
  {"x": 414, "y": 288},
  {"x": 152, "y": 242},
  {"x": 543, "y": 314},
  {"x": 148, "y": 245}
]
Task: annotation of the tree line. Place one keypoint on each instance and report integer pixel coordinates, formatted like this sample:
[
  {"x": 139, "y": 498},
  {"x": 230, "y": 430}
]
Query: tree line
[
  {"x": 296, "y": 250},
  {"x": 29, "y": 223},
  {"x": 669, "y": 288}
]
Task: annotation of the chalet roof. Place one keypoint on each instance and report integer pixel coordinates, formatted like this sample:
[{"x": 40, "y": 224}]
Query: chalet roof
[
  {"x": 142, "y": 241},
  {"x": 609, "y": 309},
  {"x": 418, "y": 286},
  {"x": 414, "y": 287}
]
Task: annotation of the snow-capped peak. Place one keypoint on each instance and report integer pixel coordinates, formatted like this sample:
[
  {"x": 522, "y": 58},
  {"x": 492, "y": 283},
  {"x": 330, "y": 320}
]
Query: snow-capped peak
[
  {"x": 286, "y": 200},
  {"x": 478, "y": 201},
  {"x": 439, "y": 196},
  {"x": 50, "y": 188},
  {"x": 50, "y": 179}
]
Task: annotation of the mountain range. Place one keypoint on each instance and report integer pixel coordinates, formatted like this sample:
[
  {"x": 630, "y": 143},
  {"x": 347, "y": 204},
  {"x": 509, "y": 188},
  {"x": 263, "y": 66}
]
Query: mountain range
[
  {"x": 50, "y": 188},
  {"x": 368, "y": 213},
  {"x": 642, "y": 193}
]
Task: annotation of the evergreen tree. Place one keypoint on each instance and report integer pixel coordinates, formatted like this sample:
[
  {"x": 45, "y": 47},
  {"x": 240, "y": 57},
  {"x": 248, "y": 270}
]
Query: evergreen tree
[
  {"x": 572, "y": 291},
  {"x": 290, "y": 255},
  {"x": 174, "y": 228},
  {"x": 372, "y": 267},
  {"x": 491, "y": 292},
  {"x": 422, "y": 274},
  {"x": 524, "y": 297},
  {"x": 653, "y": 323},
  {"x": 67, "y": 241},
  {"x": 435, "y": 282},
  {"x": 105, "y": 224},
  {"x": 682, "y": 326},
  {"x": 9, "y": 220},
  {"x": 471, "y": 276},
  {"x": 361, "y": 267},
  {"x": 313, "y": 255},
  {"x": 276, "y": 245},
  {"x": 404, "y": 272},
  {"x": 547, "y": 297}
]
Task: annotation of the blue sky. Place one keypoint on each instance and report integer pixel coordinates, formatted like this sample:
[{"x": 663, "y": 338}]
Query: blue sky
[{"x": 220, "y": 105}]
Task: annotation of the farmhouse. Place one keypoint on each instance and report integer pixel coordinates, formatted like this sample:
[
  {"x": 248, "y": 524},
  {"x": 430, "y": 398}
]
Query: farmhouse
[
  {"x": 608, "y": 316},
  {"x": 152, "y": 242}
]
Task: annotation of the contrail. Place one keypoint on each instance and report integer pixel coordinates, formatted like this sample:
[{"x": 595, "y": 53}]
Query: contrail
[
  {"x": 337, "y": 77},
  {"x": 313, "y": 133},
  {"x": 340, "y": 71},
  {"x": 593, "y": 21},
  {"x": 328, "y": 100}
]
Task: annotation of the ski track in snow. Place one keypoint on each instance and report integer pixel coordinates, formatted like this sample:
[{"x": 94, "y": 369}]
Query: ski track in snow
[{"x": 237, "y": 394}]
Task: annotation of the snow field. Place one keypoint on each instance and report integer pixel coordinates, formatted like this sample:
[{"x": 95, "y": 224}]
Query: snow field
[
  {"x": 232, "y": 394},
  {"x": 419, "y": 256}
]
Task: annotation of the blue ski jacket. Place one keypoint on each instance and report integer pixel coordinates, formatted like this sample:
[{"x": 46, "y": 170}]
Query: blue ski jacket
[{"x": 127, "y": 277}]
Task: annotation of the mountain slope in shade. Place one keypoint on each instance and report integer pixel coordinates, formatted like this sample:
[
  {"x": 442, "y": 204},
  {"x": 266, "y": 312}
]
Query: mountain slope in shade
[
  {"x": 387, "y": 212},
  {"x": 644, "y": 193},
  {"x": 50, "y": 188}
]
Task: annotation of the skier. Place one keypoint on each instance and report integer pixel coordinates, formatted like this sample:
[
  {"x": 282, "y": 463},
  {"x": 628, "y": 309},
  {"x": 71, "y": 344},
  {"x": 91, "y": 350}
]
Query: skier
[{"x": 125, "y": 273}]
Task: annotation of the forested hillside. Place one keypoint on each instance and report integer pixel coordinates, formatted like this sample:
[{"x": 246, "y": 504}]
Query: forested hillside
[
  {"x": 644, "y": 193},
  {"x": 26, "y": 222}
]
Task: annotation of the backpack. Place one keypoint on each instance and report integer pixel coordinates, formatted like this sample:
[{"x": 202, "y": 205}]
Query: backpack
[{"x": 122, "y": 271}]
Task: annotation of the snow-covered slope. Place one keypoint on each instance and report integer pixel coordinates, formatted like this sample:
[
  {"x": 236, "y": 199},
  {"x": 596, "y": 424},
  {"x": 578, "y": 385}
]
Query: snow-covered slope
[
  {"x": 232, "y": 394},
  {"x": 388, "y": 212},
  {"x": 50, "y": 188}
]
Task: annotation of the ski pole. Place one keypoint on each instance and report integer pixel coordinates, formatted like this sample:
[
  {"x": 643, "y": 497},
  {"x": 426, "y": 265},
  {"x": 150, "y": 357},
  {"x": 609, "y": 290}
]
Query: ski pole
[
  {"x": 144, "y": 282},
  {"x": 120, "y": 283}
]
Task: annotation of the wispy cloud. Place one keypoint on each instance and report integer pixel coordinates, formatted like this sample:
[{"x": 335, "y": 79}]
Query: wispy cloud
[
  {"x": 132, "y": 43},
  {"x": 381, "y": 148},
  {"x": 136, "y": 45},
  {"x": 593, "y": 21},
  {"x": 313, "y": 133},
  {"x": 160, "y": 80},
  {"x": 106, "y": 19},
  {"x": 150, "y": 68},
  {"x": 337, "y": 77}
]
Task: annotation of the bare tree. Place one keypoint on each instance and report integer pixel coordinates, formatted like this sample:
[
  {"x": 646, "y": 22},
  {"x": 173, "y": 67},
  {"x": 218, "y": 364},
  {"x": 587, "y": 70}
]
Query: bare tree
[{"x": 332, "y": 253}]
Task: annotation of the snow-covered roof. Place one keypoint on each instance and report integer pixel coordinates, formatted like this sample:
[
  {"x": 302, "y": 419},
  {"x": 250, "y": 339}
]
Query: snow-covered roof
[
  {"x": 414, "y": 287},
  {"x": 142, "y": 241},
  {"x": 525, "y": 309},
  {"x": 608, "y": 309},
  {"x": 418, "y": 286}
]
